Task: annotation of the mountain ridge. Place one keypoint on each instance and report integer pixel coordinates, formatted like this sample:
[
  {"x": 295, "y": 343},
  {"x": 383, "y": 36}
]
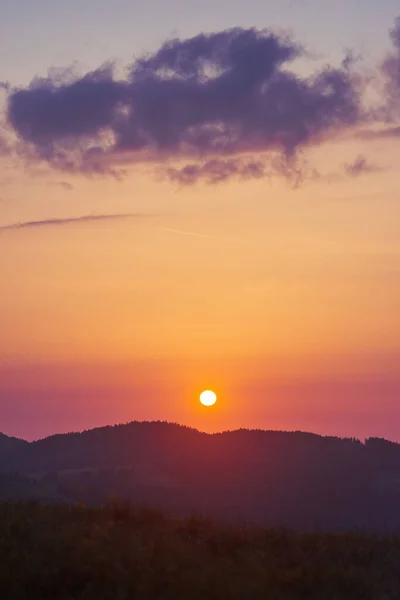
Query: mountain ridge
[
  {"x": 196, "y": 430},
  {"x": 281, "y": 478}
]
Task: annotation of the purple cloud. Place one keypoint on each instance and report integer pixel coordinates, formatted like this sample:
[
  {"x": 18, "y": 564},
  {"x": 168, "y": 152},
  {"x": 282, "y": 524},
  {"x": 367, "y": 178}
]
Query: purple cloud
[
  {"x": 217, "y": 170},
  {"x": 387, "y": 114},
  {"x": 209, "y": 99},
  {"x": 391, "y": 69},
  {"x": 395, "y": 35}
]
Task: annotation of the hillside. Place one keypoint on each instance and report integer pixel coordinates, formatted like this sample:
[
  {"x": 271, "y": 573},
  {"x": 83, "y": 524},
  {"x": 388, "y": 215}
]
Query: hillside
[
  {"x": 10, "y": 445},
  {"x": 277, "y": 478}
]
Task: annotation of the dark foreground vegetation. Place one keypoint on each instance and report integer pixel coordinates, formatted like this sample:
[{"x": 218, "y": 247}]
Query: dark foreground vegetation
[{"x": 62, "y": 552}]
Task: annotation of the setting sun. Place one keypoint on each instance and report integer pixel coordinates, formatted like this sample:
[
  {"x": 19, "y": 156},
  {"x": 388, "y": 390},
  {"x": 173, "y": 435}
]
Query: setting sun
[{"x": 208, "y": 398}]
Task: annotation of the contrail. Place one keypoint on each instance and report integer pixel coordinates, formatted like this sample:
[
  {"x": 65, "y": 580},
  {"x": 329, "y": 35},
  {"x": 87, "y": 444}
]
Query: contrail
[{"x": 180, "y": 232}]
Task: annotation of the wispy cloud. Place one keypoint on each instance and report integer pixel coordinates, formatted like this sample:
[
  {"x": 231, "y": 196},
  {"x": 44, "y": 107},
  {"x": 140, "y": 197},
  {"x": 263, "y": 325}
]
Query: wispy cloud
[
  {"x": 65, "y": 185},
  {"x": 67, "y": 221},
  {"x": 382, "y": 133},
  {"x": 360, "y": 166}
]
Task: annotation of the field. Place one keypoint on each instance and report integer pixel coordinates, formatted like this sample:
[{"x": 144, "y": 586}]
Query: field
[{"x": 118, "y": 552}]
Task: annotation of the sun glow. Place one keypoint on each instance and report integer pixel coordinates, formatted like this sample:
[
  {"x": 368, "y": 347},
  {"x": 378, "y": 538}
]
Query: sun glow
[{"x": 208, "y": 398}]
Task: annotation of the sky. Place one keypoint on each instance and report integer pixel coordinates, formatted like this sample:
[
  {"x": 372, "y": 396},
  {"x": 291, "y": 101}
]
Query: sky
[{"x": 200, "y": 195}]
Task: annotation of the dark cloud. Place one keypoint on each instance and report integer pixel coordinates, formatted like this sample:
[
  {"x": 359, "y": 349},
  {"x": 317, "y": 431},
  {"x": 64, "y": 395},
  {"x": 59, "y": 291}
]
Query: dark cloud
[
  {"x": 67, "y": 221},
  {"x": 208, "y": 100},
  {"x": 360, "y": 166}
]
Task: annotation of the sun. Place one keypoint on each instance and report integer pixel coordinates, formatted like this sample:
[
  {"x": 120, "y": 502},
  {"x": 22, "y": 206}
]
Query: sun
[{"x": 208, "y": 398}]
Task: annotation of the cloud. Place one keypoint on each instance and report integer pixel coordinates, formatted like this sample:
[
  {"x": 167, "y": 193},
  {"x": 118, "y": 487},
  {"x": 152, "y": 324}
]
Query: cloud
[
  {"x": 65, "y": 185},
  {"x": 395, "y": 64},
  {"x": 395, "y": 34},
  {"x": 207, "y": 100},
  {"x": 391, "y": 69},
  {"x": 217, "y": 170},
  {"x": 4, "y": 146},
  {"x": 387, "y": 132},
  {"x": 67, "y": 221},
  {"x": 360, "y": 166}
]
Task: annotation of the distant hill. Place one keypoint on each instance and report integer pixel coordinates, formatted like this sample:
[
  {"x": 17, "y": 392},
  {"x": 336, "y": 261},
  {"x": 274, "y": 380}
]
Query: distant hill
[
  {"x": 10, "y": 448},
  {"x": 11, "y": 443},
  {"x": 14, "y": 485},
  {"x": 277, "y": 478}
]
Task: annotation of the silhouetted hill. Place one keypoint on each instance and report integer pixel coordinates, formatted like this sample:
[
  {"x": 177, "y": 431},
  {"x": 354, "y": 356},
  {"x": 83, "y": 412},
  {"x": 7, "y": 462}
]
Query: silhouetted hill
[
  {"x": 7, "y": 442},
  {"x": 10, "y": 447},
  {"x": 279, "y": 478}
]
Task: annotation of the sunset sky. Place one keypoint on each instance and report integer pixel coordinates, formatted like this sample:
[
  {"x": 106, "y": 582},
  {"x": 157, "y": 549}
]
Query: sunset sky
[{"x": 222, "y": 211}]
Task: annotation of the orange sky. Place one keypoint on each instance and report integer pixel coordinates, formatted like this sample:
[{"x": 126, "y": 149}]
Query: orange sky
[{"x": 263, "y": 292}]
